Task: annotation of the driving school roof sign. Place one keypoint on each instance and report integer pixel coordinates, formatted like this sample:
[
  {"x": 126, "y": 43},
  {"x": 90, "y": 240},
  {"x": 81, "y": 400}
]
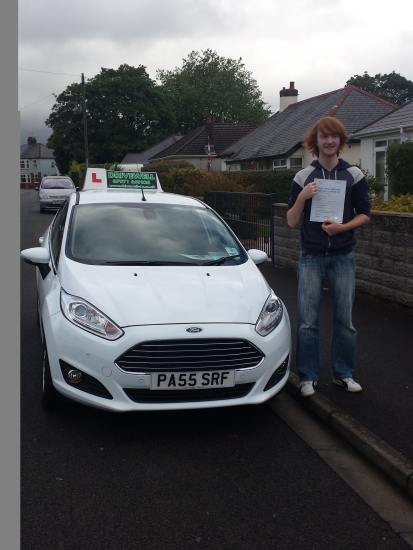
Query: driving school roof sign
[{"x": 99, "y": 178}]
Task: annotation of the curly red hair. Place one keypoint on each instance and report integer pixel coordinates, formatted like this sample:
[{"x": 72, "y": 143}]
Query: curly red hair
[{"x": 326, "y": 125}]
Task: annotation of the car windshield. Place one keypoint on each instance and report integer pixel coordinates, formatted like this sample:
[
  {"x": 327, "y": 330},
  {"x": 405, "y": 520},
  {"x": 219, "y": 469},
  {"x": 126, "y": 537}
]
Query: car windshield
[
  {"x": 61, "y": 183},
  {"x": 148, "y": 234}
]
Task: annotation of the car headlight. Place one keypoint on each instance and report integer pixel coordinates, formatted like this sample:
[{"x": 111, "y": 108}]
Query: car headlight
[
  {"x": 44, "y": 196},
  {"x": 84, "y": 315},
  {"x": 270, "y": 316}
]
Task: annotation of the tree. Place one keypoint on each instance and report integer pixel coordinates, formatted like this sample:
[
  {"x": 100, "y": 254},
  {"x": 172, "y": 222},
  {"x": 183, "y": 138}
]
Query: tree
[
  {"x": 208, "y": 84},
  {"x": 393, "y": 87},
  {"x": 126, "y": 111}
]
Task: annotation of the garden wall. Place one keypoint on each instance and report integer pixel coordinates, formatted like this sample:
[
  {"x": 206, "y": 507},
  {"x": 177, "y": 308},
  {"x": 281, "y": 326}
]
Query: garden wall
[{"x": 384, "y": 253}]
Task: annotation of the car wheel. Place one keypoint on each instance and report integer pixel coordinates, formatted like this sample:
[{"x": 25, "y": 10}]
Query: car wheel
[{"x": 51, "y": 400}]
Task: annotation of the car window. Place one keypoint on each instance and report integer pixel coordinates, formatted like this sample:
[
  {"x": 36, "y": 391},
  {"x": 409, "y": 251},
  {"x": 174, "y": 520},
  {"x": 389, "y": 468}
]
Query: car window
[
  {"x": 152, "y": 233},
  {"x": 57, "y": 232},
  {"x": 61, "y": 183}
]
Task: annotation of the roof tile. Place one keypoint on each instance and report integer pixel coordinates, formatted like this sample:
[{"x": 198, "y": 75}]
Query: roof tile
[{"x": 284, "y": 132}]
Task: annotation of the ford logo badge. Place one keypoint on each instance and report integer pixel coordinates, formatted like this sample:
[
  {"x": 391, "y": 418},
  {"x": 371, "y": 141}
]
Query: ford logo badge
[{"x": 192, "y": 330}]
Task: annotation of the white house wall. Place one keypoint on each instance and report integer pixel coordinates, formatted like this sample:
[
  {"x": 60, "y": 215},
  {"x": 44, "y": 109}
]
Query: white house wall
[
  {"x": 352, "y": 154},
  {"x": 367, "y": 154}
]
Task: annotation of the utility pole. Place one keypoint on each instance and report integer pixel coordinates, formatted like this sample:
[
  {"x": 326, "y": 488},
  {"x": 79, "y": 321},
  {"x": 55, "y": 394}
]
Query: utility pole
[{"x": 85, "y": 123}]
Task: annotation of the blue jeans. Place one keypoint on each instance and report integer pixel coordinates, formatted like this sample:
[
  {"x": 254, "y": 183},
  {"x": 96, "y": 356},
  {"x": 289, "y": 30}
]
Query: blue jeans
[{"x": 340, "y": 271}]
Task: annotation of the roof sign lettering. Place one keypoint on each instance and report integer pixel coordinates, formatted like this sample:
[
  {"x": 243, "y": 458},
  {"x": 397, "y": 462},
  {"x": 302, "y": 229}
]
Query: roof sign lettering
[
  {"x": 132, "y": 180},
  {"x": 99, "y": 178}
]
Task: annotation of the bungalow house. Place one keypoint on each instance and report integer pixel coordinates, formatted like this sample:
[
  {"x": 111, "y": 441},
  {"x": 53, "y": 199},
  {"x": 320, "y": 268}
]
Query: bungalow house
[
  {"x": 36, "y": 161},
  {"x": 193, "y": 147},
  {"x": 277, "y": 142},
  {"x": 395, "y": 127},
  {"x": 135, "y": 161}
]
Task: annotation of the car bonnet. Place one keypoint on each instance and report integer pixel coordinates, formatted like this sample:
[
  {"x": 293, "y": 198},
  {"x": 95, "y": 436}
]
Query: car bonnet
[{"x": 146, "y": 295}]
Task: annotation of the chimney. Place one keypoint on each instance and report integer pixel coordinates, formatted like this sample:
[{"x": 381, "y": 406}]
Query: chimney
[
  {"x": 31, "y": 141},
  {"x": 287, "y": 97}
]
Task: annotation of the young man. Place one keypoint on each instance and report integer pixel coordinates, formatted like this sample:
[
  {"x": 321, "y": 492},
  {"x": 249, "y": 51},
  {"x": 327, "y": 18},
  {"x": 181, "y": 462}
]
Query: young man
[{"x": 327, "y": 253}]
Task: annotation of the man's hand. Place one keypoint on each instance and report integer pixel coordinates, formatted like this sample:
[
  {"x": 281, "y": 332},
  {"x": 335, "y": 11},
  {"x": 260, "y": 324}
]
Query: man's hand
[
  {"x": 332, "y": 227},
  {"x": 295, "y": 213},
  {"x": 309, "y": 190}
]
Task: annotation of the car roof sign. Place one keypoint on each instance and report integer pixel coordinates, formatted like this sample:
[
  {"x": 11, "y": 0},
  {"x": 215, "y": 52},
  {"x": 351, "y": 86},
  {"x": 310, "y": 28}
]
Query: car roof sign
[{"x": 100, "y": 178}]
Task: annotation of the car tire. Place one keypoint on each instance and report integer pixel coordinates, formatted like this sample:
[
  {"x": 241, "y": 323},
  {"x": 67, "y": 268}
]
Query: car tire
[{"x": 51, "y": 400}]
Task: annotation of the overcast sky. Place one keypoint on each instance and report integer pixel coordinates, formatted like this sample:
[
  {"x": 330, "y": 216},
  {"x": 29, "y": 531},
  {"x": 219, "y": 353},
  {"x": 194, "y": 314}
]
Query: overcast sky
[{"x": 318, "y": 44}]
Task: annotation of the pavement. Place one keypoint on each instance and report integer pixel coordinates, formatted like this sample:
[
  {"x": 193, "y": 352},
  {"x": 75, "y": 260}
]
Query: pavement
[{"x": 377, "y": 422}]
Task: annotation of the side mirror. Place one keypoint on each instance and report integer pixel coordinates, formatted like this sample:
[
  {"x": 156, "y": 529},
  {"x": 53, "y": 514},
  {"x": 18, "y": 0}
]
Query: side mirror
[
  {"x": 39, "y": 257},
  {"x": 36, "y": 188},
  {"x": 257, "y": 256}
]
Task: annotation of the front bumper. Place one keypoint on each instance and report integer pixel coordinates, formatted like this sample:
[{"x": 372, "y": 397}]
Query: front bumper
[
  {"x": 96, "y": 357},
  {"x": 50, "y": 204}
]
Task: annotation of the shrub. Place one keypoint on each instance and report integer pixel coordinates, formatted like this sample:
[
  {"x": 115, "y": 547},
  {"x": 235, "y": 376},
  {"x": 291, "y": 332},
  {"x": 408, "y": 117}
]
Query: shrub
[
  {"x": 399, "y": 168},
  {"x": 107, "y": 166},
  {"x": 166, "y": 166},
  {"x": 211, "y": 181},
  {"x": 267, "y": 181},
  {"x": 194, "y": 181},
  {"x": 402, "y": 203},
  {"x": 376, "y": 187},
  {"x": 176, "y": 180}
]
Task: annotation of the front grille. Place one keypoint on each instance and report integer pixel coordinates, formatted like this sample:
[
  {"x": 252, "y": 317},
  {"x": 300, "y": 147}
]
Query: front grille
[
  {"x": 187, "y": 396},
  {"x": 191, "y": 354}
]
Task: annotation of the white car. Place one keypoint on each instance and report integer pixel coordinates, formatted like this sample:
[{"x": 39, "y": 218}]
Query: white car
[{"x": 148, "y": 301}]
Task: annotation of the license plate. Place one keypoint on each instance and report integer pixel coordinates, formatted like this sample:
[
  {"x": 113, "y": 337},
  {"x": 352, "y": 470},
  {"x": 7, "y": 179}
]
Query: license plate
[
  {"x": 57, "y": 202},
  {"x": 192, "y": 380}
]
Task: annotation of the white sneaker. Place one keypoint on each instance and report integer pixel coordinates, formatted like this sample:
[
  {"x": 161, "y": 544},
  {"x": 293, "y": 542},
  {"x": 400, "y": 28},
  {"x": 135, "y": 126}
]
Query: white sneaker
[
  {"x": 307, "y": 388},
  {"x": 348, "y": 384}
]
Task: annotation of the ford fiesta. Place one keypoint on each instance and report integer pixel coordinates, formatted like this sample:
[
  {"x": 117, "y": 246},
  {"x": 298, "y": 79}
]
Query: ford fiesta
[{"x": 148, "y": 301}]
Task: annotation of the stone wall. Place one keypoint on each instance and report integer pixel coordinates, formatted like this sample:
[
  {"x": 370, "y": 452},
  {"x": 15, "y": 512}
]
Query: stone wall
[{"x": 384, "y": 253}]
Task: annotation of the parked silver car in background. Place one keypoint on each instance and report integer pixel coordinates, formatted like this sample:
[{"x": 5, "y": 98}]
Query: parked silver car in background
[{"x": 53, "y": 191}]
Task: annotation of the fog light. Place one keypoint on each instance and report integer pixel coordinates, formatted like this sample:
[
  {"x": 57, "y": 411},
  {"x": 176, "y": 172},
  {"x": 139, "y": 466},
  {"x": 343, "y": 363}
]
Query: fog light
[
  {"x": 277, "y": 375},
  {"x": 282, "y": 369},
  {"x": 74, "y": 376}
]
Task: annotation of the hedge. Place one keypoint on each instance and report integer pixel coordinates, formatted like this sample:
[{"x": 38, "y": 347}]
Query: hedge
[
  {"x": 399, "y": 163},
  {"x": 266, "y": 181},
  {"x": 192, "y": 181}
]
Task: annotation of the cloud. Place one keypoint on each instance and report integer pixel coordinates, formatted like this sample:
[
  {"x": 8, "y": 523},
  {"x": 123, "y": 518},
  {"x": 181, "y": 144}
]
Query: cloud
[{"x": 318, "y": 44}]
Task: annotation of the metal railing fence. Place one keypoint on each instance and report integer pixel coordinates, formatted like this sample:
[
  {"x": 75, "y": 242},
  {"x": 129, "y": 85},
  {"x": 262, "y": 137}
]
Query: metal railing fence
[{"x": 249, "y": 215}]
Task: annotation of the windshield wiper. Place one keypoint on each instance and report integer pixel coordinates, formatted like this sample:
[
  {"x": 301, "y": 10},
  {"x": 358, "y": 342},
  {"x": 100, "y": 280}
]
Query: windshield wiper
[
  {"x": 147, "y": 262},
  {"x": 222, "y": 260}
]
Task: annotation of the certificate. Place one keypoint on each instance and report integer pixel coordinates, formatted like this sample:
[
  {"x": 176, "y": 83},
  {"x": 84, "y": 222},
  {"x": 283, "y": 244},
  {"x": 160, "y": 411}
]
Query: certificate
[{"x": 328, "y": 202}]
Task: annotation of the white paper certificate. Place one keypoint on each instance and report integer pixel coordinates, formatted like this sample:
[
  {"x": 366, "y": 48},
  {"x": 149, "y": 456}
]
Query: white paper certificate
[{"x": 328, "y": 202}]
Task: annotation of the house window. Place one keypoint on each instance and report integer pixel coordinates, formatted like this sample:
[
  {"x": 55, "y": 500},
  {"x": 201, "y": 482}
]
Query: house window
[
  {"x": 296, "y": 162},
  {"x": 36, "y": 178},
  {"x": 34, "y": 163},
  {"x": 25, "y": 178},
  {"x": 279, "y": 163},
  {"x": 24, "y": 164},
  {"x": 386, "y": 142},
  {"x": 234, "y": 167},
  {"x": 53, "y": 165}
]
